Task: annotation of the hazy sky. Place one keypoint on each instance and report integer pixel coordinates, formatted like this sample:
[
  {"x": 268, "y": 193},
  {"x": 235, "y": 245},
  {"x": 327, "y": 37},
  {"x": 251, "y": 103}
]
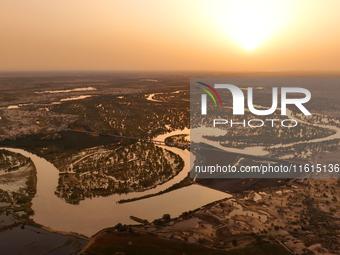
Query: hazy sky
[{"x": 241, "y": 35}]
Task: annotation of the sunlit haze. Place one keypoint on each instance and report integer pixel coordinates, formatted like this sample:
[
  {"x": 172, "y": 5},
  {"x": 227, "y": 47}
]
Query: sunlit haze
[
  {"x": 210, "y": 35},
  {"x": 251, "y": 23}
]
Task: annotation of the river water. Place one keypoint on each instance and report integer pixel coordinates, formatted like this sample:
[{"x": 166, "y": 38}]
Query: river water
[
  {"x": 92, "y": 215},
  {"x": 257, "y": 150}
]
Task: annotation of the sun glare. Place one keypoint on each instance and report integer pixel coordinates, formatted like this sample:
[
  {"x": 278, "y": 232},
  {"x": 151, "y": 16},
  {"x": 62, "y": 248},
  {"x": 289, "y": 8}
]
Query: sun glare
[{"x": 250, "y": 23}]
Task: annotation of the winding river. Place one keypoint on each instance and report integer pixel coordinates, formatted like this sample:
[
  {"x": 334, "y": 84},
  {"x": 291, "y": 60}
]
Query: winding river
[
  {"x": 198, "y": 133},
  {"x": 92, "y": 215}
]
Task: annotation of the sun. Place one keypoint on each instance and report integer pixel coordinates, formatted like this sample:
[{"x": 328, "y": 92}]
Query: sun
[{"x": 250, "y": 23}]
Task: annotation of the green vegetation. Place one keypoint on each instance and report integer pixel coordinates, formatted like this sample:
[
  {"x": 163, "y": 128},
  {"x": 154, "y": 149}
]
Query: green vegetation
[
  {"x": 240, "y": 136},
  {"x": 104, "y": 171},
  {"x": 126, "y": 165},
  {"x": 133, "y": 115},
  {"x": 304, "y": 150},
  {"x": 264, "y": 137},
  {"x": 179, "y": 141},
  {"x": 20, "y": 171}
]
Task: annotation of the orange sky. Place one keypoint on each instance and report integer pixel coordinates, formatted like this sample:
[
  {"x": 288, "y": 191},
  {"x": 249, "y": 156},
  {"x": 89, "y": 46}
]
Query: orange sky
[{"x": 170, "y": 35}]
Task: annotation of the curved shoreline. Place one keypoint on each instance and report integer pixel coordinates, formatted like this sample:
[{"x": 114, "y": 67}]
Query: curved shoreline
[
  {"x": 259, "y": 150},
  {"x": 92, "y": 215}
]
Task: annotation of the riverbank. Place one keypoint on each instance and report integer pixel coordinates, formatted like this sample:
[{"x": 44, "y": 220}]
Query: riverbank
[
  {"x": 184, "y": 183},
  {"x": 92, "y": 215}
]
